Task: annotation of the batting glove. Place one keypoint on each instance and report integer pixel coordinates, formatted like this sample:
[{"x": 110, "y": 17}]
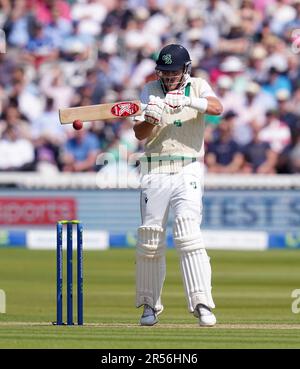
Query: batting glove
[
  {"x": 175, "y": 101},
  {"x": 154, "y": 110}
]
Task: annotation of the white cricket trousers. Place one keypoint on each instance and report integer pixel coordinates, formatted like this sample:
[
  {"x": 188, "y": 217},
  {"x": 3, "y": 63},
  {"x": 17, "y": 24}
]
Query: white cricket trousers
[{"x": 183, "y": 193}]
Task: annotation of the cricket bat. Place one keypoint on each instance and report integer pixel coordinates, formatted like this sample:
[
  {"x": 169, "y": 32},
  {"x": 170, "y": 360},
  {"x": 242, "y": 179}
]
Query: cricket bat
[{"x": 101, "y": 111}]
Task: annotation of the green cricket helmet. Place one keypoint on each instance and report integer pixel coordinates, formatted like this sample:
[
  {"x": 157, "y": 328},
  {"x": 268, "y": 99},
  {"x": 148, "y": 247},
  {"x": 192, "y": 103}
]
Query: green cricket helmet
[{"x": 173, "y": 67}]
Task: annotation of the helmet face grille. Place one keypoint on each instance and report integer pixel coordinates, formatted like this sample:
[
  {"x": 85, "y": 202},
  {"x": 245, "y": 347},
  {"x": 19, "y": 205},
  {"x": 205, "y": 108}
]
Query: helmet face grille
[
  {"x": 170, "y": 80},
  {"x": 172, "y": 58}
]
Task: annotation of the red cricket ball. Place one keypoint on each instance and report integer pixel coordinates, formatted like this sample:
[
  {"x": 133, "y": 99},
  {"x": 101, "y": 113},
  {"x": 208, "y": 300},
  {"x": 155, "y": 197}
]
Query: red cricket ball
[{"x": 77, "y": 124}]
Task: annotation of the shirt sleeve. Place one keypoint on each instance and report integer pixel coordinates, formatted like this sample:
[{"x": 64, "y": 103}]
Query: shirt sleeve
[{"x": 206, "y": 90}]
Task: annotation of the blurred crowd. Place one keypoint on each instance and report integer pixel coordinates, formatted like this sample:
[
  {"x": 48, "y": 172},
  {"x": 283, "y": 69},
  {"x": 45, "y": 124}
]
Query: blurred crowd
[{"x": 62, "y": 53}]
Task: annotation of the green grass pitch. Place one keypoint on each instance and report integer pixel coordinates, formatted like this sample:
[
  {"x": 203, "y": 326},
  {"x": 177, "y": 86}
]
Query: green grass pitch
[{"x": 252, "y": 292}]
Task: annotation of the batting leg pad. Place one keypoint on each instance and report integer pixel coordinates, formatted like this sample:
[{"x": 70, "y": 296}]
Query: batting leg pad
[
  {"x": 150, "y": 267},
  {"x": 194, "y": 262}
]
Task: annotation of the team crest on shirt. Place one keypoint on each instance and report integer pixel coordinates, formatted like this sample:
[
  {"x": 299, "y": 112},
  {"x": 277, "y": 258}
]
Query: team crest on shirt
[
  {"x": 177, "y": 123},
  {"x": 194, "y": 185},
  {"x": 167, "y": 58}
]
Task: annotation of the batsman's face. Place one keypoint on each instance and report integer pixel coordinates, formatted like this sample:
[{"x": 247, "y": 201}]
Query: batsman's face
[{"x": 170, "y": 79}]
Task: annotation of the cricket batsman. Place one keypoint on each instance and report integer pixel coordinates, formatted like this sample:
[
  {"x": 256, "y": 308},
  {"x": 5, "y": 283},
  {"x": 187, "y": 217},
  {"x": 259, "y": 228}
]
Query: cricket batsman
[{"x": 172, "y": 177}]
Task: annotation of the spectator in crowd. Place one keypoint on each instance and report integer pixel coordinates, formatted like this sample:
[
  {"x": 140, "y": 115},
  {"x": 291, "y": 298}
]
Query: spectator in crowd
[
  {"x": 7, "y": 65},
  {"x": 289, "y": 158},
  {"x": 295, "y": 23},
  {"x": 257, "y": 68},
  {"x": 241, "y": 133},
  {"x": 80, "y": 152},
  {"x": 43, "y": 10},
  {"x": 53, "y": 85},
  {"x": 250, "y": 17},
  {"x": 219, "y": 15},
  {"x": 275, "y": 132},
  {"x": 16, "y": 152},
  {"x": 293, "y": 70},
  {"x": 230, "y": 99},
  {"x": 48, "y": 136},
  {"x": 276, "y": 82},
  {"x": 58, "y": 28},
  {"x": 12, "y": 117},
  {"x": 259, "y": 157},
  {"x": 90, "y": 15},
  {"x": 285, "y": 112},
  {"x": 281, "y": 12},
  {"x": 17, "y": 25},
  {"x": 40, "y": 47},
  {"x": 210, "y": 62},
  {"x": 76, "y": 45},
  {"x": 48, "y": 124},
  {"x": 254, "y": 104},
  {"x": 47, "y": 155},
  {"x": 26, "y": 94},
  {"x": 235, "y": 68},
  {"x": 223, "y": 153}
]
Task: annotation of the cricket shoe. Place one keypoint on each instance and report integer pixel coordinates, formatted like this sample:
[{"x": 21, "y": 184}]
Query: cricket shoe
[
  {"x": 149, "y": 316},
  {"x": 205, "y": 315}
]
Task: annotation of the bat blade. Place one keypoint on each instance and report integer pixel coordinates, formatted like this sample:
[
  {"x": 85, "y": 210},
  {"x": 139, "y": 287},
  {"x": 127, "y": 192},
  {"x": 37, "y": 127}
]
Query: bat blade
[{"x": 101, "y": 111}]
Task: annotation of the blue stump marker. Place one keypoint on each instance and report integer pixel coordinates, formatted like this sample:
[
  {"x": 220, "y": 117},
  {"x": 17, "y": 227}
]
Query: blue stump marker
[
  {"x": 79, "y": 275},
  {"x": 59, "y": 268},
  {"x": 69, "y": 274},
  {"x": 59, "y": 275}
]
